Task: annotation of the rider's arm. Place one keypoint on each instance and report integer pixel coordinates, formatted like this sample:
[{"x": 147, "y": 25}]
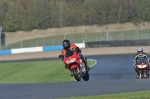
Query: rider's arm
[
  {"x": 136, "y": 57},
  {"x": 76, "y": 48},
  {"x": 146, "y": 56}
]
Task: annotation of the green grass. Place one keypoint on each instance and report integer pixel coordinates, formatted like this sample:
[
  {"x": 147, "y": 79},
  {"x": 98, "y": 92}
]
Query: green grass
[
  {"x": 129, "y": 95},
  {"x": 78, "y": 38},
  {"x": 41, "y": 71}
]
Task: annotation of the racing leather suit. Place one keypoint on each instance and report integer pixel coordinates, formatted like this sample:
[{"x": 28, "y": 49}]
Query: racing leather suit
[
  {"x": 137, "y": 56},
  {"x": 143, "y": 55}
]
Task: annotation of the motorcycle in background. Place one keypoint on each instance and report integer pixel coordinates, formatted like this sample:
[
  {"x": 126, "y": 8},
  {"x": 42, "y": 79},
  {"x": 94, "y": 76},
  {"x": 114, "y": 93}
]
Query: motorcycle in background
[{"x": 141, "y": 67}]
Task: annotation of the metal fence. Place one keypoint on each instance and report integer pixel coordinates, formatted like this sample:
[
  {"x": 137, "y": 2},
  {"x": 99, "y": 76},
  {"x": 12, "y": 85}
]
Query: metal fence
[{"x": 102, "y": 35}]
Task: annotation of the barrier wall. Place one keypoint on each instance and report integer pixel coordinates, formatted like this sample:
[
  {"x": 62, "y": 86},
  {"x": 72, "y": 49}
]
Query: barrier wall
[
  {"x": 50, "y": 48},
  {"x": 5, "y": 51},
  {"x": 117, "y": 43},
  {"x": 80, "y": 45},
  {"x": 37, "y": 49},
  {"x": 26, "y": 50}
]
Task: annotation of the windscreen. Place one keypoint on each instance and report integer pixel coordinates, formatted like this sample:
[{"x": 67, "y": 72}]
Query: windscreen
[
  {"x": 142, "y": 60},
  {"x": 68, "y": 53}
]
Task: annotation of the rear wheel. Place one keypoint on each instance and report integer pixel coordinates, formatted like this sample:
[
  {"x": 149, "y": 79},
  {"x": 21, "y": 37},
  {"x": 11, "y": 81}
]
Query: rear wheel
[{"x": 76, "y": 74}]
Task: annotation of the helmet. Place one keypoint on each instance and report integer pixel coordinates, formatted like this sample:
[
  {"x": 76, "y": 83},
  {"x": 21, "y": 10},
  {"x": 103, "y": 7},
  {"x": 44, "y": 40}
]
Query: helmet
[
  {"x": 66, "y": 44},
  {"x": 139, "y": 51}
]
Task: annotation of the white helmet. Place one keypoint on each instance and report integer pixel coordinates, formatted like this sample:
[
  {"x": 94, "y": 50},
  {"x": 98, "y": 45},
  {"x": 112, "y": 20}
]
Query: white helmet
[{"x": 139, "y": 51}]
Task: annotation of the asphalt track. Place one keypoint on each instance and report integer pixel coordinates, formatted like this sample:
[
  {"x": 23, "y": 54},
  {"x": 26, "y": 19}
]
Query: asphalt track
[{"x": 111, "y": 74}]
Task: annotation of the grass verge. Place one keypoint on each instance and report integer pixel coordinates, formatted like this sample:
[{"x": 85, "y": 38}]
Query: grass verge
[
  {"x": 129, "y": 95},
  {"x": 41, "y": 71}
]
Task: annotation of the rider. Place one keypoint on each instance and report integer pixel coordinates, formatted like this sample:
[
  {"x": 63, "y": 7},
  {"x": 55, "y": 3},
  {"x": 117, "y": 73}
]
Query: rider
[
  {"x": 140, "y": 54},
  {"x": 67, "y": 45}
]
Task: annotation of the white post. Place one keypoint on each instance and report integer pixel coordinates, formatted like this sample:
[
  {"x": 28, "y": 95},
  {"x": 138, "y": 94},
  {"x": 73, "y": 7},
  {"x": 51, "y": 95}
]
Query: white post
[
  {"x": 43, "y": 39},
  {"x": 53, "y": 42},
  {"x": 21, "y": 39},
  {"x": 137, "y": 33},
  {"x": 122, "y": 37},
  {"x": 122, "y": 34},
  {"x": 0, "y": 35}
]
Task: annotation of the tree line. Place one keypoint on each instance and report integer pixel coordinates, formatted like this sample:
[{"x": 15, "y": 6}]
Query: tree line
[{"x": 27, "y": 15}]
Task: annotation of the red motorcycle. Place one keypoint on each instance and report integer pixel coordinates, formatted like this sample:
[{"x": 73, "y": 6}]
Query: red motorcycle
[
  {"x": 142, "y": 68},
  {"x": 75, "y": 65}
]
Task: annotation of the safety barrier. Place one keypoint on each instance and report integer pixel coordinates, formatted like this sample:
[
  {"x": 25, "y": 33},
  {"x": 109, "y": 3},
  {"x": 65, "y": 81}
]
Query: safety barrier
[
  {"x": 26, "y": 50},
  {"x": 5, "y": 51},
  {"x": 117, "y": 43},
  {"x": 37, "y": 49},
  {"x": 50, "y": 48}
]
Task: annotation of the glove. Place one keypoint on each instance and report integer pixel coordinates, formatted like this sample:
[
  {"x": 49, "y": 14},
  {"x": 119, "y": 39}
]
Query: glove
[{"x": 60, "y": 56}]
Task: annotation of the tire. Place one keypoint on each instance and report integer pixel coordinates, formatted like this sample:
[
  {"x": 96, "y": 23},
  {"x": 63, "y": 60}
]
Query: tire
[
  {"x": 146, "y": 73},
  {"x": 76, "y": 75},
  {"x": 142, "y": 74},
  {"x": 138, "y": 74},
  {"x": 86, "y": 77}
]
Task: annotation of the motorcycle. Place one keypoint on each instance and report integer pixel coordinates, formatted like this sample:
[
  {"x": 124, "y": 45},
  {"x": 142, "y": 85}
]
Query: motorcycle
[
  {"x": 75, "y": 65},
  {"x": 141, "y": 67}
]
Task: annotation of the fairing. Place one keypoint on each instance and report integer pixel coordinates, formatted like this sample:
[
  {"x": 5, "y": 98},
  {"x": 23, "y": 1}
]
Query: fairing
[
  {"x": 71, "y": 59},
  {"x": 142, "y": 63}
]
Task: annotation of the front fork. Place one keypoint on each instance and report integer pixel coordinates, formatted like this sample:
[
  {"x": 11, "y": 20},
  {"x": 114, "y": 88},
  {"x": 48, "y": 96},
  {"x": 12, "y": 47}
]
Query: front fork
[
  {"x": 141, "y": 73},
  {"x": 137, "y": 72},
  {"x": 79, "y": 71}
]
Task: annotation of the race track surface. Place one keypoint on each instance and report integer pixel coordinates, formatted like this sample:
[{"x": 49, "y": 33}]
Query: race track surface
[{"x": 111, "y": 74}]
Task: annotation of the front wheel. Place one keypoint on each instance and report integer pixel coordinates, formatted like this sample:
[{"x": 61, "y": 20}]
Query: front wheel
[
  {"x": 86, "y": 77},
  {"x": 138, "y": 74},
  {"x": 142, "y": 74},
  {"x": 76, "y": 74}
]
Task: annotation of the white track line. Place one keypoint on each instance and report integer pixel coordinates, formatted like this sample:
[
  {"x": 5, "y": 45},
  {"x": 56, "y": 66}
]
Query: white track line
[
  {"x": 93, "y": 64},
  {"x": 94, "y": 61}
]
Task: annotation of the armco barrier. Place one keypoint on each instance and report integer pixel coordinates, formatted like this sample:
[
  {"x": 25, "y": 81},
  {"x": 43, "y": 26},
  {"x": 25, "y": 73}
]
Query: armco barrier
[
  {"x": 118, "y": 43},
  {"x": 50, "y": 48},
  {"x": 26, "y": 50},
  {"x": 37, "y": 49},
  {"x": 5, "y": 52},
  {"x": 81, "y": 45}
]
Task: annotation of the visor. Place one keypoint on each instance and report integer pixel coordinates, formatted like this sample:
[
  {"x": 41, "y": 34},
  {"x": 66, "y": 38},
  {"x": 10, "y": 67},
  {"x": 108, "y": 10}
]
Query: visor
[{"x": 139, "y": 53}]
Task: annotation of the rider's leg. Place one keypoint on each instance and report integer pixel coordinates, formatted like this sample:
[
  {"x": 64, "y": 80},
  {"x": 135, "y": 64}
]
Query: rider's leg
[
  {"x": 86, "y": 66},
  {"x": 85, "y": 62}
]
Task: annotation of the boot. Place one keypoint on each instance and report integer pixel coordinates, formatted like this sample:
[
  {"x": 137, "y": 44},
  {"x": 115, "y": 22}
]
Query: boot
[
  {"x": 71, "y": 74},
  {"x": 86, "y": 66}
]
